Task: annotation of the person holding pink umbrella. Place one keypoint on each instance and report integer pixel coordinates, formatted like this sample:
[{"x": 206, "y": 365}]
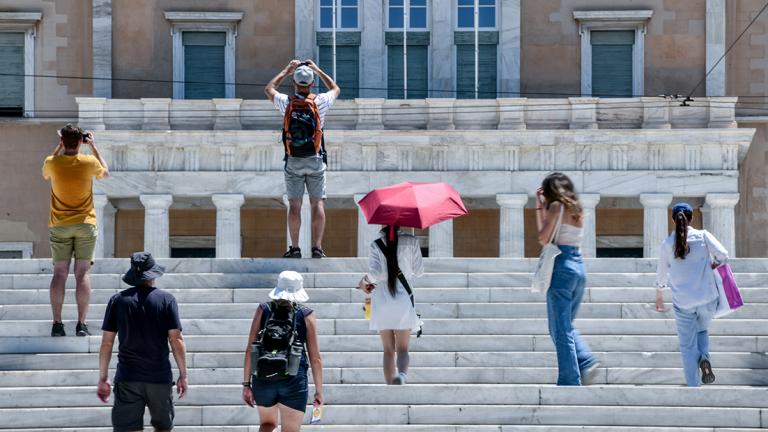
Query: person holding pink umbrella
[{"x": 395, "y": 258}]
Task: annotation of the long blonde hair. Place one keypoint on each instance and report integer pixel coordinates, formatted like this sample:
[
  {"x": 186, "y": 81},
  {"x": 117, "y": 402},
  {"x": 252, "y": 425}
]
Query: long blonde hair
[{"x": 558, "y": 187}]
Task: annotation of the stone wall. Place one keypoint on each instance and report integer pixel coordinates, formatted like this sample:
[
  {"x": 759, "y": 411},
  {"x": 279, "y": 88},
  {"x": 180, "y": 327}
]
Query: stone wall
[
  {"x": 752, "y": 211},
  {"x": 142, "y": 44},
  {"x": 551, "y": 55}
]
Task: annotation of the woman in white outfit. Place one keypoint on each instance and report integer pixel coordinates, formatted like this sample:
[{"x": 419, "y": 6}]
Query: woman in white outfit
[
  {"x": 686, "y": 261},
  {"x": 393, "y": 313}
]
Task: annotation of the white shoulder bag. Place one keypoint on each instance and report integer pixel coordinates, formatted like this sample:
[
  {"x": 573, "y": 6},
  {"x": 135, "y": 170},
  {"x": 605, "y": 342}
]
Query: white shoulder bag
[{"x": 542, "y": 278}]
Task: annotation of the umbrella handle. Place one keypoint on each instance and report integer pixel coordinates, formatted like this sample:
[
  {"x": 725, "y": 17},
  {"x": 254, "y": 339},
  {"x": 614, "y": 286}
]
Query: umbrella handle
[{"x": 391, "y": 233}]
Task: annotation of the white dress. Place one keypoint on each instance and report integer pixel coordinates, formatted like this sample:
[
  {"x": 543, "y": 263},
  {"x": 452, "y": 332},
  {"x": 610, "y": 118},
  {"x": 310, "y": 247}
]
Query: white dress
[{"x": 388, "y": 312}]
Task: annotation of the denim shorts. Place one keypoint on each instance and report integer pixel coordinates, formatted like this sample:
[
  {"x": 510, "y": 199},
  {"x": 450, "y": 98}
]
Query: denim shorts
[
  {"x": 306, "y": 172},
  {"x": 293, "y": 392}
]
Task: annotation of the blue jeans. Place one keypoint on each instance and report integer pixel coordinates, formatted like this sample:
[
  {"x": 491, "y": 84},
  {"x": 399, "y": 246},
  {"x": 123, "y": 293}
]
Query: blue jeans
[
  {"x": 563, "y": 300},
  {"x": 693, "y": 333}
]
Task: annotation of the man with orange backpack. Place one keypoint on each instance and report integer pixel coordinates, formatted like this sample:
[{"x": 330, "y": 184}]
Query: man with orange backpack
[{"x": 305, "y": 157}]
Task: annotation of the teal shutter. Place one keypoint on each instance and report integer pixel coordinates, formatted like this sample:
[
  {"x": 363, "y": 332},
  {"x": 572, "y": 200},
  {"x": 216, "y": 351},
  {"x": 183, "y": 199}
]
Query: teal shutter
[
  {"x": 347, "y": 68},
  {"x": 12, "y": 73},
  {"x": 204, "y": 64},
  {"x": 612, "y": 63},
  {"x": 465, "y": 71},
  {"x": 417, "y": 71}
]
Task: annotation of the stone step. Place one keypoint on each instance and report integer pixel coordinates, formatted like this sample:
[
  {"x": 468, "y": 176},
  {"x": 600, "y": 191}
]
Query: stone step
[
  {"x": 350, "y": 280},
  {"x": 421, "y": 428},
  {"x": 416, "y": 375},
  {"x": 89, "y": 361},
  {"x": 464, "y": 326},
  {"x": 419, "y": 414},
  {"x": 427, "y": 343},
  {"x": 427, "y": 394},
  {"x": 276, "y": 265},
  {"x": 427, "y": 311},
  {"x": 347, "y": 295}
]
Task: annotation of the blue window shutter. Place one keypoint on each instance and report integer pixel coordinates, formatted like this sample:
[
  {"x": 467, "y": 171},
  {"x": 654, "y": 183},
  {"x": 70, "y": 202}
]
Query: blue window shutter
[
  {"x": 204, "y": 64},
  {"x": 12, "y": 70},
  {"x": 465, "y": 71},
  {"x": 612, "y": 63},
  {"x": 417, "y": 71},
  {"x": 347, "y": 68}
]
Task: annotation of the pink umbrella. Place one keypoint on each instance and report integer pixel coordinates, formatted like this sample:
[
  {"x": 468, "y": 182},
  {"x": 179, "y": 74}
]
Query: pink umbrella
[{"x": 414, "y": 205}]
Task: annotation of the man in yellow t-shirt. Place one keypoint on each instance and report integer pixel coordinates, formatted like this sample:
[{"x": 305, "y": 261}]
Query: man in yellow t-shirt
[{"x": 73, "y": 220}]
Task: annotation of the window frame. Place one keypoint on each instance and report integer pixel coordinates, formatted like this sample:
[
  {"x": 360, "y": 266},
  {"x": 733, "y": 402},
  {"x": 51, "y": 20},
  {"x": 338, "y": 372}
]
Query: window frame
[
  {"x": 472, "y": 28},
  {"x": 339, "y": 28},
  {"x": 426, "y": 28},
  {"x": 27, "y": 23},
  {"x": 225, "y": 22},
  {"x": 634, "y": 20}
]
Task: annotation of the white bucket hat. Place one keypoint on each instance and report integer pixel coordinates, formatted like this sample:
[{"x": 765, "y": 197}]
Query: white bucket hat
[{"x": 290, "y": 286}]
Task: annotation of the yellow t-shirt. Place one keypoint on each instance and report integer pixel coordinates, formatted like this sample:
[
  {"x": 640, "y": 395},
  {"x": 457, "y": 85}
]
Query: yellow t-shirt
[{"x": 72, "y": 188}]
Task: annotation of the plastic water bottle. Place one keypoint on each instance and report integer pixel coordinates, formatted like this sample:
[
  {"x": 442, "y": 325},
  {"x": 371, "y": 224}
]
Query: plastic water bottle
[{"x": 367, "y": 308}]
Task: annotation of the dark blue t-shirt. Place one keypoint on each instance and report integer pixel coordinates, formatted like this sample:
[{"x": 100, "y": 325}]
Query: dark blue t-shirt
[{"x": 142, "y": 317}]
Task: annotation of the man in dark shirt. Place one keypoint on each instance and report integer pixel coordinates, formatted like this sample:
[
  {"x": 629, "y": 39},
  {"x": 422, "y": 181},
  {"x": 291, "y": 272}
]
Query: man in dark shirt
[{"x": 145, "y": 319}]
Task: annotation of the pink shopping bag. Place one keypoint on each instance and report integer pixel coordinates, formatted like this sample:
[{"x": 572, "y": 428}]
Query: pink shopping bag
[
  {"x": 732, "y": 293},
  {"x": 728, "y": 293}
]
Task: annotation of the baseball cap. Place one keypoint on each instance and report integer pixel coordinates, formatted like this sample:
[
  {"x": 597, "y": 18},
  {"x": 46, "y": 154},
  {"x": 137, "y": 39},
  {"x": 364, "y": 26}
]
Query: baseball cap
[{"x": 303, "y": 75}]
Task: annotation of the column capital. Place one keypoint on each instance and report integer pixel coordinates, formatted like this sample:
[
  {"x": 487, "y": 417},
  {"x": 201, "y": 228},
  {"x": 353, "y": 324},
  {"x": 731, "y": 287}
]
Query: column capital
[
  {"x": 656, "y": 200},
  {"x": 722, "y": 199},
  {"x": 100, "y": 201},
  {"x": 518, "y": 200},
  {"x": 228, "y": 201},
  {"x": 589, "y": 200},
  {"x": 156, "y": 201}
]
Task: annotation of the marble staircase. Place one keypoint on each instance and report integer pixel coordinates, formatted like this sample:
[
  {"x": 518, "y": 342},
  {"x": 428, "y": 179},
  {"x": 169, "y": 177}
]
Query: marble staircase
[{"x": 485, "y": 363}]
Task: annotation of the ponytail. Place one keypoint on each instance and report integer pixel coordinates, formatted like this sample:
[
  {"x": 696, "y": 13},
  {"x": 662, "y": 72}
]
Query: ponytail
[
  {"x": 391, "y": 255},
  {"x": 681, "y": 235}
]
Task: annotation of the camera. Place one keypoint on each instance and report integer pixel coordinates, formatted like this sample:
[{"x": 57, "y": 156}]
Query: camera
[
  {"x": 304, "y": 64},
  {"x": 87, "y": 136}
]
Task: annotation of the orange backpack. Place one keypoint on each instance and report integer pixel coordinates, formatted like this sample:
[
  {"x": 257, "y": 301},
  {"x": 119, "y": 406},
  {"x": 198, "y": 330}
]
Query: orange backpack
[{"x": 302, "y": 134}]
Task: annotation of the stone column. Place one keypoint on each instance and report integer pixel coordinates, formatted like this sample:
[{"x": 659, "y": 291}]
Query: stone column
[
  {"x": 509, "y": 48},
  {"x": 102, "y": 48},
  {"x": 511, "y": 225},
  {"x": 304, "y": 34},
  {"x": 441, "y": 240},
  {"x": 305, "y": 232},
  {"x": 444, "y": 66},
  {"x": 716, "y": 31},
  {"x": 228, "y": 237},
  {"x": 589, "y": 243},
  {"x": 366, "y": 233},
  {"x": 655, "y": 221},
  {"x": 722, "y": 221},
  {"x": 373, "y": 78},
  {"x": 105, "y": 221},
  {"x": 156, "y": 224}
]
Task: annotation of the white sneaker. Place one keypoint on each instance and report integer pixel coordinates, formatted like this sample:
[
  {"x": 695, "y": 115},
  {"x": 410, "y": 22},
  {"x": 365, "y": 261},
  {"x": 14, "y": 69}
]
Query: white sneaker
[{"x": 400, "y": 379}]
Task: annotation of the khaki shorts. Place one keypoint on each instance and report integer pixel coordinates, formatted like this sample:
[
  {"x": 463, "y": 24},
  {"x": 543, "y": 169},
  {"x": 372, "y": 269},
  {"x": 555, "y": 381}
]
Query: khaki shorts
[
  {"x": 77, "y": 239},
  {"x": 301, "y": 172}
]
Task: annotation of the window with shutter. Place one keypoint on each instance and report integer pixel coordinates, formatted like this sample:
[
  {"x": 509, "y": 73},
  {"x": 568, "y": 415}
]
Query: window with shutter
[
  {"x": 204, "y": 74},
  {"x": 347, "y": 68},
  {"x": 465, "y": 71},
  {"x": 418, "y": 64},
  {"x": 612, "y": 63},
  {"x": 11, "y": 74}
]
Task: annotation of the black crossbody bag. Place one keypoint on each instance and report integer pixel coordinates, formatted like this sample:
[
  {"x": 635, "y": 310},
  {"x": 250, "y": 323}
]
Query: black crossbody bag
[{"x": 404, "y": 282}]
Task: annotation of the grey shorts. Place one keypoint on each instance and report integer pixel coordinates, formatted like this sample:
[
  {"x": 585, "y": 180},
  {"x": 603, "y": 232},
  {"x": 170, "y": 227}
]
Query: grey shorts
[
  {"x": 301, "y": 172},
  {"x": 132, "y": 397}
]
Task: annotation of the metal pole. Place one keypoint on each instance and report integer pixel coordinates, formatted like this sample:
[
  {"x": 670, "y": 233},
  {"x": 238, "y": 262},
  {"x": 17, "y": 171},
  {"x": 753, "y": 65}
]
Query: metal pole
[
  {"x": 477, "y": 47},
  {"x": 333, "y": 41},
  {"x": 406, "y": 4}
]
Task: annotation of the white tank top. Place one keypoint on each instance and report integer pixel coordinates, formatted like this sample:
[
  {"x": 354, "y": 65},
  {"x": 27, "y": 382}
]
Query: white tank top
[{"x": 569, "y": 235}]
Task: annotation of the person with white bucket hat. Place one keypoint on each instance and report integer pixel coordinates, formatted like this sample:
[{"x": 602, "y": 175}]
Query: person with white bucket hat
[{"x": 282, "y": 345}]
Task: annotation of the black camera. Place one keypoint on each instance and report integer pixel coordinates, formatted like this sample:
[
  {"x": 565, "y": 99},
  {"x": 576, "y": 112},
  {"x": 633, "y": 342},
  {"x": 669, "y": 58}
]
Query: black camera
[
  {"x": 304, "y": 64},
  {"x": 87, "y": 136}
]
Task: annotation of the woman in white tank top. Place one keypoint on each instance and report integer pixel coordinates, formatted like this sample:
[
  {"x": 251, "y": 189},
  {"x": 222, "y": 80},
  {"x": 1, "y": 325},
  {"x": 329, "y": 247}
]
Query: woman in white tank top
[{"x": 557, "y": 205}]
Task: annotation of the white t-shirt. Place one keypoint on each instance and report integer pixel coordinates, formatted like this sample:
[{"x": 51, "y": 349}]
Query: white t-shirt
[{"x": 324, "y": 102}]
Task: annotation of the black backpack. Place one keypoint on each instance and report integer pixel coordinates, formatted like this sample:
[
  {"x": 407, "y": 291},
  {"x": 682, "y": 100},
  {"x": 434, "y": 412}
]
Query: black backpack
[{"x": 277, "y": 351}]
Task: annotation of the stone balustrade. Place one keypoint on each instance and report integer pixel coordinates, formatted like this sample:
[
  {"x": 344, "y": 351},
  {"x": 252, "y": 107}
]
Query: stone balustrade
[
  {"x": 457, "y": 150},
  {"x": 431, "y": 113}
]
